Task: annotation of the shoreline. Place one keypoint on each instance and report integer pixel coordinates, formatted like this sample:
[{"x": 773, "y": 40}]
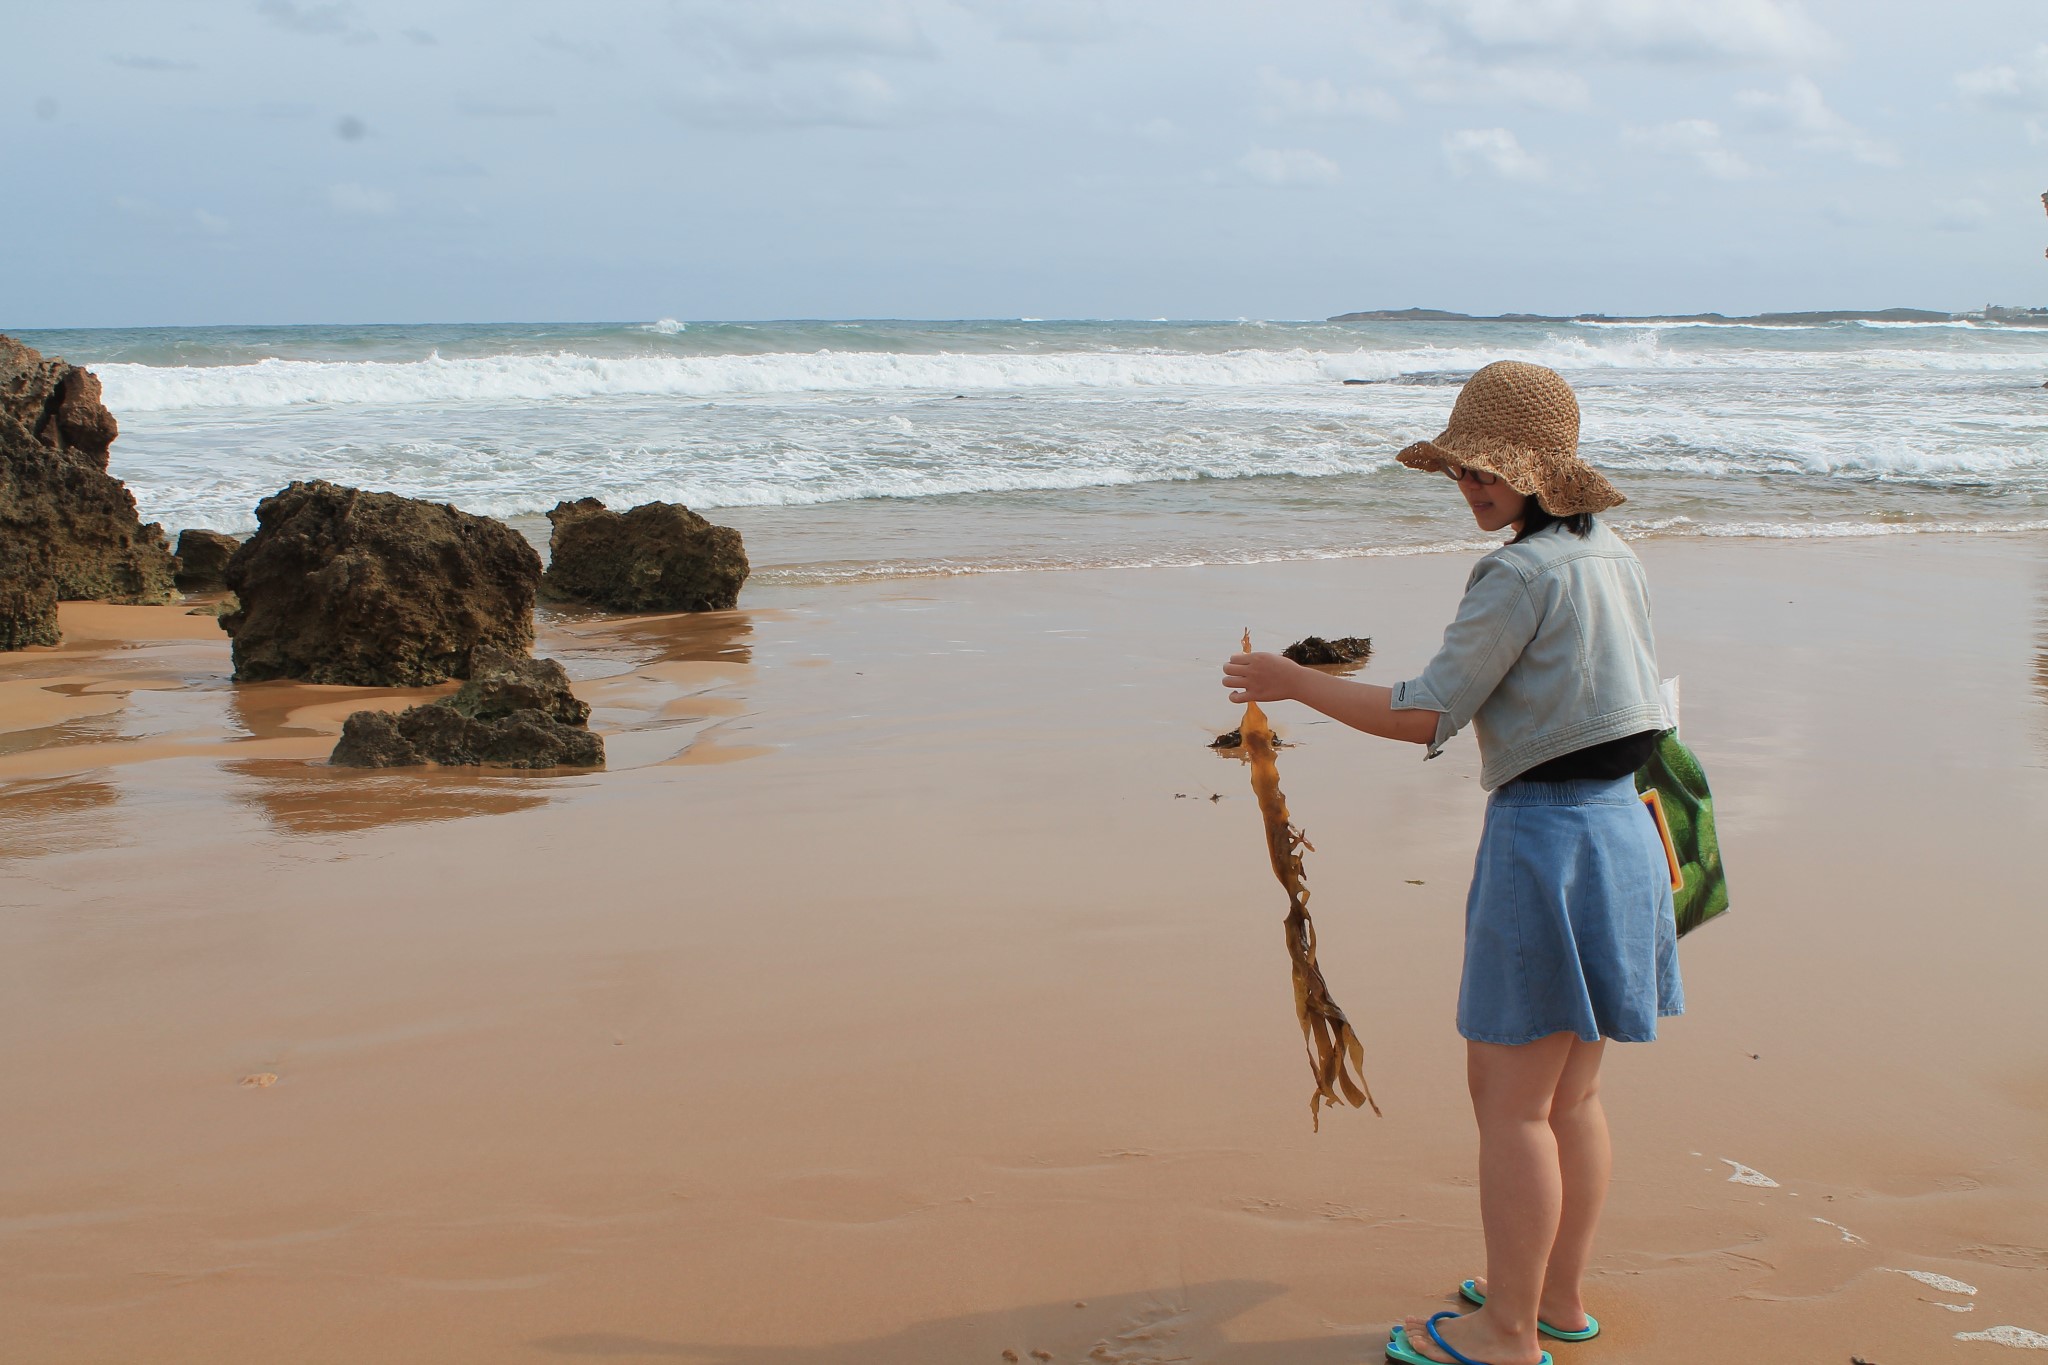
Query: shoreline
[{"x": 952, "y": 1002}]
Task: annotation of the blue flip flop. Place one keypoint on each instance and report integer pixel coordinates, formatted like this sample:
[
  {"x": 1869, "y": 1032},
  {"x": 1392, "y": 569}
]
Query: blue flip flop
[
  {"x": 1400, "y": 1352},
  {"x": 1592, "y": 1328}
]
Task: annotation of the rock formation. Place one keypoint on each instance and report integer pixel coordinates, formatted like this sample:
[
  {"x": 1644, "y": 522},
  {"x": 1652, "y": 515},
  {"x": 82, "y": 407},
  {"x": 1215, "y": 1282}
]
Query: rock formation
[
  {"x": 28, "y": 611},
  {"x": 375, "y": 590},
  {"x": 660, "y": 556},
  {"x": 512, "y": 713},
  {"x": 202, "y": 558},
  {"x": 68, "y": 529}
]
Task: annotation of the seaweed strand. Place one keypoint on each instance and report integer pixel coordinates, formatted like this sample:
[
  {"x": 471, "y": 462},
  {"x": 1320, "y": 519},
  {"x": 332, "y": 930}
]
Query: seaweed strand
[{"x": 1336, "y": 1058}]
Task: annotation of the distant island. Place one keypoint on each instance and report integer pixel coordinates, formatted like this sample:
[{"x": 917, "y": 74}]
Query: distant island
[{"x": 2018, "y": 317}]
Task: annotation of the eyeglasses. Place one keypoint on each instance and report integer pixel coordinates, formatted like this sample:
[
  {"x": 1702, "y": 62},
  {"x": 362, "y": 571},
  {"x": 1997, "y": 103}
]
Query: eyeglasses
[{"x": 1458, "y": 473}]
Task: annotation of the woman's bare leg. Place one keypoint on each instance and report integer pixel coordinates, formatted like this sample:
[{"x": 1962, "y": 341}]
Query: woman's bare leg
[
  {"x": 1521, "y": 1198},
  {"x": 1584, "y": 1159}
]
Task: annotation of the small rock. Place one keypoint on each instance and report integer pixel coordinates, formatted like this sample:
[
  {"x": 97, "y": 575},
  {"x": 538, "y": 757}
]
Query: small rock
[
  {"x": 514, "y": 712},
  {"x": 203, "y": 557},
  {"x": 262, "y": 1080},
  {"x": 659, "y": 556}
]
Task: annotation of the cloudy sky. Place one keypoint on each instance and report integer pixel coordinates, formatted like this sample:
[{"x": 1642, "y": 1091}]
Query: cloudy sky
[{"x": 360, "y": 161}]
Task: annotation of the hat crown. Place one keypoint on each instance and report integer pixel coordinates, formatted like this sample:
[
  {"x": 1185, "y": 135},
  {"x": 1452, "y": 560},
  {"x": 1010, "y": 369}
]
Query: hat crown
[{"x": 1527, "y": 404}]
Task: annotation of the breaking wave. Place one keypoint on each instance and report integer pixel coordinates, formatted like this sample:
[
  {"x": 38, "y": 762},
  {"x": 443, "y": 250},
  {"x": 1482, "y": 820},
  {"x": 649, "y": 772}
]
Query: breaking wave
[{"x": 556, "y": 376}]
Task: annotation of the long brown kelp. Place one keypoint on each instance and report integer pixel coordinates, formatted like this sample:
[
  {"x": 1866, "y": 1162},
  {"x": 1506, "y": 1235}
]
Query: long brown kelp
[{"x": 1335, "y": 1056}]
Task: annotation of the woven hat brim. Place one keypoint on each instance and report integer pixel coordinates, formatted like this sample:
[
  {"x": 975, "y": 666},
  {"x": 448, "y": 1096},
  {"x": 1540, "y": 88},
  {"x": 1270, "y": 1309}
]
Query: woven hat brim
[{"x": 1566, "y": 486}]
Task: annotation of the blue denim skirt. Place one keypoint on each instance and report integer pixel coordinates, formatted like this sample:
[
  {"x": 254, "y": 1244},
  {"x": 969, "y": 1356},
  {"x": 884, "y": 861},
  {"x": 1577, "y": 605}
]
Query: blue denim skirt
[{"x": 1568, "y": 926}]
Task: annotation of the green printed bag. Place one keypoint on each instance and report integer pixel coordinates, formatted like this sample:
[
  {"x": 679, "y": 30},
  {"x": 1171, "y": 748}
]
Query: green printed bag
[{"x": 1675, "y": 775}]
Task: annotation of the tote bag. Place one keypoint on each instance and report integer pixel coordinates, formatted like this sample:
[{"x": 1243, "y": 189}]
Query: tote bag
[{"x": 1674, "y": 786}]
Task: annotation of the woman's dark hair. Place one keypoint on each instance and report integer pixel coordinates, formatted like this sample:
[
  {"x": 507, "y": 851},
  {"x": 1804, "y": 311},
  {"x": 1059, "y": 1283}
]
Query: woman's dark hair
[{"x": 1535, "y": 518}]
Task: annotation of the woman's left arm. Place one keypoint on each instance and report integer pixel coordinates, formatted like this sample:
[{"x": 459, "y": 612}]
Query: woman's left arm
[{"x": 1362, "y": 706}]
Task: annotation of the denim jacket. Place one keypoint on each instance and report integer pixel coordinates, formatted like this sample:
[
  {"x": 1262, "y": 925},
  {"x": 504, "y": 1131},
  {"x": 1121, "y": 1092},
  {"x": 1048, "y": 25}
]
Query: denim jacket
[{"x": 1551, "y": 652}]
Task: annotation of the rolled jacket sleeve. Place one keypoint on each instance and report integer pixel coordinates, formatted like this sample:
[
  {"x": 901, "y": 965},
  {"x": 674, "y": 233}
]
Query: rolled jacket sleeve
[{"x": 1495, "y": 622}]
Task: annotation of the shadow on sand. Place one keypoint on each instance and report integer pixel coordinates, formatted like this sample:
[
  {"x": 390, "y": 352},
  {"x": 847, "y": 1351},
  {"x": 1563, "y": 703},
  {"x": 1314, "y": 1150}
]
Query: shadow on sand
[
  {"x": 689, "y": 637},
  {"x": 311, "y": 798},
  {"x": 1187, "y": 1324},
  {"x": 54, "y": 817}
]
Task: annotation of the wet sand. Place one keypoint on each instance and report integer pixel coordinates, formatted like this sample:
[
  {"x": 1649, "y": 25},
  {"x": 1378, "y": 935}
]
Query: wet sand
[{"x": 901, "y": 994}]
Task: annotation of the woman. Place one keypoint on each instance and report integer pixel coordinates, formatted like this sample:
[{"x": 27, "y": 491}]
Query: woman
[{"x": 1569, "y": 939}]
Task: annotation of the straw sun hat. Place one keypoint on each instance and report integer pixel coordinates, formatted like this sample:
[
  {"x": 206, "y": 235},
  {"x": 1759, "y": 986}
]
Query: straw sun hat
[{"x": 1520, "y": 422}]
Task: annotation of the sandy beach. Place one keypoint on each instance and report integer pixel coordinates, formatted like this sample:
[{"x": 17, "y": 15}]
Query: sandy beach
[{"x": 911, "y": 989}]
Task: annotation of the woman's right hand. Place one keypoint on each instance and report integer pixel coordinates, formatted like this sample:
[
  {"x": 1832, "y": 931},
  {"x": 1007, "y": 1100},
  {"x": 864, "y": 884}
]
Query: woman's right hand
[{"x": 1262, "y": 677}]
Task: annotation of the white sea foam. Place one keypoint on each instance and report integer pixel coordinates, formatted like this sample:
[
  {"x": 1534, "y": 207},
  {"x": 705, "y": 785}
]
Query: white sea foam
[
  {"x": 1847, "y": 1235},
  {"x": 560, "y": 375},
  {"x": 1936, "y": 1281},
  {"x": 667, "y": 327},
  {"x": 2022, "y": 1337},
  {"x": 1825, "y": 530},
  {"x": 1744, "y": 1175}
]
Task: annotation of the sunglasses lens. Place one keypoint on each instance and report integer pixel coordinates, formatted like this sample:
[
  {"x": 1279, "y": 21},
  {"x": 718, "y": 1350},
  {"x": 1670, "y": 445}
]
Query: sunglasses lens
[{"x": 1454, "y": 473}]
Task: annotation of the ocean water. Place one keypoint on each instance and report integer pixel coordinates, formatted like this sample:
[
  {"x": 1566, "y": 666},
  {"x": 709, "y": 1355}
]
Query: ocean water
[{"x": 869, "y": 449}]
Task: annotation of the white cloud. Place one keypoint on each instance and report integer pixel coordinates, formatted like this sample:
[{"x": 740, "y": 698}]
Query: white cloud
[
  {"x": 1534, "y": 87},
  {"x": 335, "y": 19},
  {"x": 1053, "y": 25},
  {"x": 1289, "y": 166},
  {"x": 1323, "y": 99},
  {"x": 845, "y": 99},
  {"x": 475, "y": 108},
  {"x": 1705, "y": 31},
  {"x": 361, "y": 201},
  {"x": 211, "y": 222},
  {"x": 1695, "y": 139},
  {"x": 152, "y": 63},
  {"x": 1495, "y": 148},
  {"x": 582, "y": 49},
  {"x": 2023, "y": 87},
  {"x": 1158, "y": 130},
  {"x": 1803, "y": 115},
  {"x": 1962, "y": 215},
  {"x": 765, "y": 33}
]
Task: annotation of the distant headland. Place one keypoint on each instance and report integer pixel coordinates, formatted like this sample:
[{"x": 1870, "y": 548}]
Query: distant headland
[{"x": 1993, "y": 313}]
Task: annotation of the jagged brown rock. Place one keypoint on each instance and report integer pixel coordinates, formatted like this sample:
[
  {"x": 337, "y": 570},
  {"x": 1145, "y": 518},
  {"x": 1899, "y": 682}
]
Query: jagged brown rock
[
  {"x": 659, "y": 556},
  {"x": 375, "y": 590},
  {"x": 68, "y": 528},
  {"x": 512, "y": 713},
  {"x": 203, "y": 557},
  {"x": 58, "y": 402}
]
